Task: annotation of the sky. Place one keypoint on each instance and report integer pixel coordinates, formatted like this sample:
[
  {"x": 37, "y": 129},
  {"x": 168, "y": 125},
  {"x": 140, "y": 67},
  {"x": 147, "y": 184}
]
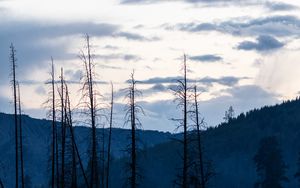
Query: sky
[{"x": 239, "y": 53}]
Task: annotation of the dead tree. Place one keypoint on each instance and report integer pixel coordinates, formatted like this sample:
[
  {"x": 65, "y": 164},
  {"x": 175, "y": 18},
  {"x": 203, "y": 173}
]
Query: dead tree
[
  {"x": 63, "y": 130},
  {"x": 89, "y": 93},
  {"x": 50, "y": 104},
  {"x": 75, "y": 153},
  {"x": 53, "y": 145},
  {"x": 131, "y": 118},
  {"x": 199, "y": 140},
  {"x": 21, "y": 136},
  {"x": 109, "y": 136},
  {"x": 181, "y": 94},
  {"x": 14, "y": 85}
]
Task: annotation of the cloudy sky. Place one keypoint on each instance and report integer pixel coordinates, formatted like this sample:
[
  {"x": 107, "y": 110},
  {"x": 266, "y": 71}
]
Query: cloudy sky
[{"x": 242, "y": 53}]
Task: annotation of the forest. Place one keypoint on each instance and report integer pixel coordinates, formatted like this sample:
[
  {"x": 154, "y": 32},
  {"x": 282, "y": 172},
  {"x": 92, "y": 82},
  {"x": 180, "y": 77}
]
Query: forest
[{"x": 259, "y": 148}]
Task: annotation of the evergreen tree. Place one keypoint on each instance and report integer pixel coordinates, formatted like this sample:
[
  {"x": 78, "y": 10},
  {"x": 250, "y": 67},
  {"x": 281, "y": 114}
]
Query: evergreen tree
[
  {"x": 297, "y": 174},
  {"x": 229, "y": 114},
  {"x": 270, "y": 166}
]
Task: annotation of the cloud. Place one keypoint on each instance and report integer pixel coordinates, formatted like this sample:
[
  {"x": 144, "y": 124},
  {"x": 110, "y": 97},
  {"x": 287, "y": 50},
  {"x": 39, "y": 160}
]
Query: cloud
[
  {"x": 40, "y": 90},
  {"x": 35, "y": 42},
  {"x": 73, "y": 75},
  {"x": 124, "y": 57},
  {"x": 206, "y": 58},
  {"x": 238, "y": 2},
  {"x": 225, "y": 80},
  {"x": 263, "y": 43},
  {"x": 239, "y": 98},
  {"x": 134, "y": 36},
  {"x": 279, "y": 6},
  {"x": 279, "y": 26},
  {"x": 159, "y": 113},
  {"x": 111, "y": 47}
]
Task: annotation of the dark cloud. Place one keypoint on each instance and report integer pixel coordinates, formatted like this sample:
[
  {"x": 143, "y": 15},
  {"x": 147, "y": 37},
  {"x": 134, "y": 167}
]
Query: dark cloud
[
  {"x": 279, "y": 26},
  {"x": 279, "y": 6},
  {"x": 124, "y": 57},
  {"x": 206, "y": 58},
  {"x": 226, "y": 80},
  {"x": 263, "y": 43},
  {"x": 36, "y": 42},
  {"x": 166, "y": 88}
]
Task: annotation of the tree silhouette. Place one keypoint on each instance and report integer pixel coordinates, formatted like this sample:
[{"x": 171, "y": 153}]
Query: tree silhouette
[
  {"x": 203, "y": 168},
  {"x": 75, "y": 153},
  {"x": 54, "y": 134},
  {"x": 50, "y": 104},
  {"x": 89, "y": 101},
  {"x": 181, "y": 93},
  {"x": 109, "y": 136},
  {"x": 20, "y": 135},
  {"x": 14, "y": 85},
  {"x": 63, "y": 128},
  {"x": 131, "y": 117},
  {"x": 270, "y": 166},
  {"x": 199, "y": 162},
  {"x": 229, "y": 114}
]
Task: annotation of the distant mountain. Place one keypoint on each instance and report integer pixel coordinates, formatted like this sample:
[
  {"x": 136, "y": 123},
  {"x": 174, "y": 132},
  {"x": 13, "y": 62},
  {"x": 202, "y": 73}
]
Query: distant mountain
[
  {"x": 37, "y": 146},
  {"x": 231, "y": 147}
]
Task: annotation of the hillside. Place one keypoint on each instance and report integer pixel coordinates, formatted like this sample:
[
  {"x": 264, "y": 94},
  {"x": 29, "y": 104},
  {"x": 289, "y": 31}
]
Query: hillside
[
  {"x": 231, "y": 147},
  {"x": 37, "y": 146}
]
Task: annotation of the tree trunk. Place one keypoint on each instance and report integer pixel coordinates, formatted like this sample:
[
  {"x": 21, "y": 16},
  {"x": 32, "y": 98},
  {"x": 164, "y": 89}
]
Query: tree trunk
[
  {"x": 109, "y": 136},
  {"x": 13, "y": 61},
  {"x": 200, "y": 153},
  {"x": 20, "y": 137}
]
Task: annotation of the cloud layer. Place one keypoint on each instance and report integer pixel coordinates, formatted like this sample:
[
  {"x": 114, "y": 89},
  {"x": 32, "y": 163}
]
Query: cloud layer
[
  {"x": 279, "y": 26},
  {"x": 263, "y": 43}
]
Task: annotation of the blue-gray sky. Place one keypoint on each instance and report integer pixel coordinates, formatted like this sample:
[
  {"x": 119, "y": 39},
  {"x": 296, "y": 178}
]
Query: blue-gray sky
[{"x": 240, "y": 53}]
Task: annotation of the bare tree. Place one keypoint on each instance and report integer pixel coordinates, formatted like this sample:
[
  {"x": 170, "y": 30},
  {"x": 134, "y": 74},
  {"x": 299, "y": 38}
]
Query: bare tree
[
  {"x": 89, "y": 93},
  {"x": 109, "y": 136},
  {"x": 53, "y": 145},
  {"x": 21, "y": 136},
  {"x": 181, "y": 93},
  {"x": 131, "y": 118},
  {"x": 75, "y": 153},
  {"x": 50, "y": 104},
  {"x": 63, "y": 129},
  {"x": 14, "y": 85},
  {"x": 199, "y": 140}
]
